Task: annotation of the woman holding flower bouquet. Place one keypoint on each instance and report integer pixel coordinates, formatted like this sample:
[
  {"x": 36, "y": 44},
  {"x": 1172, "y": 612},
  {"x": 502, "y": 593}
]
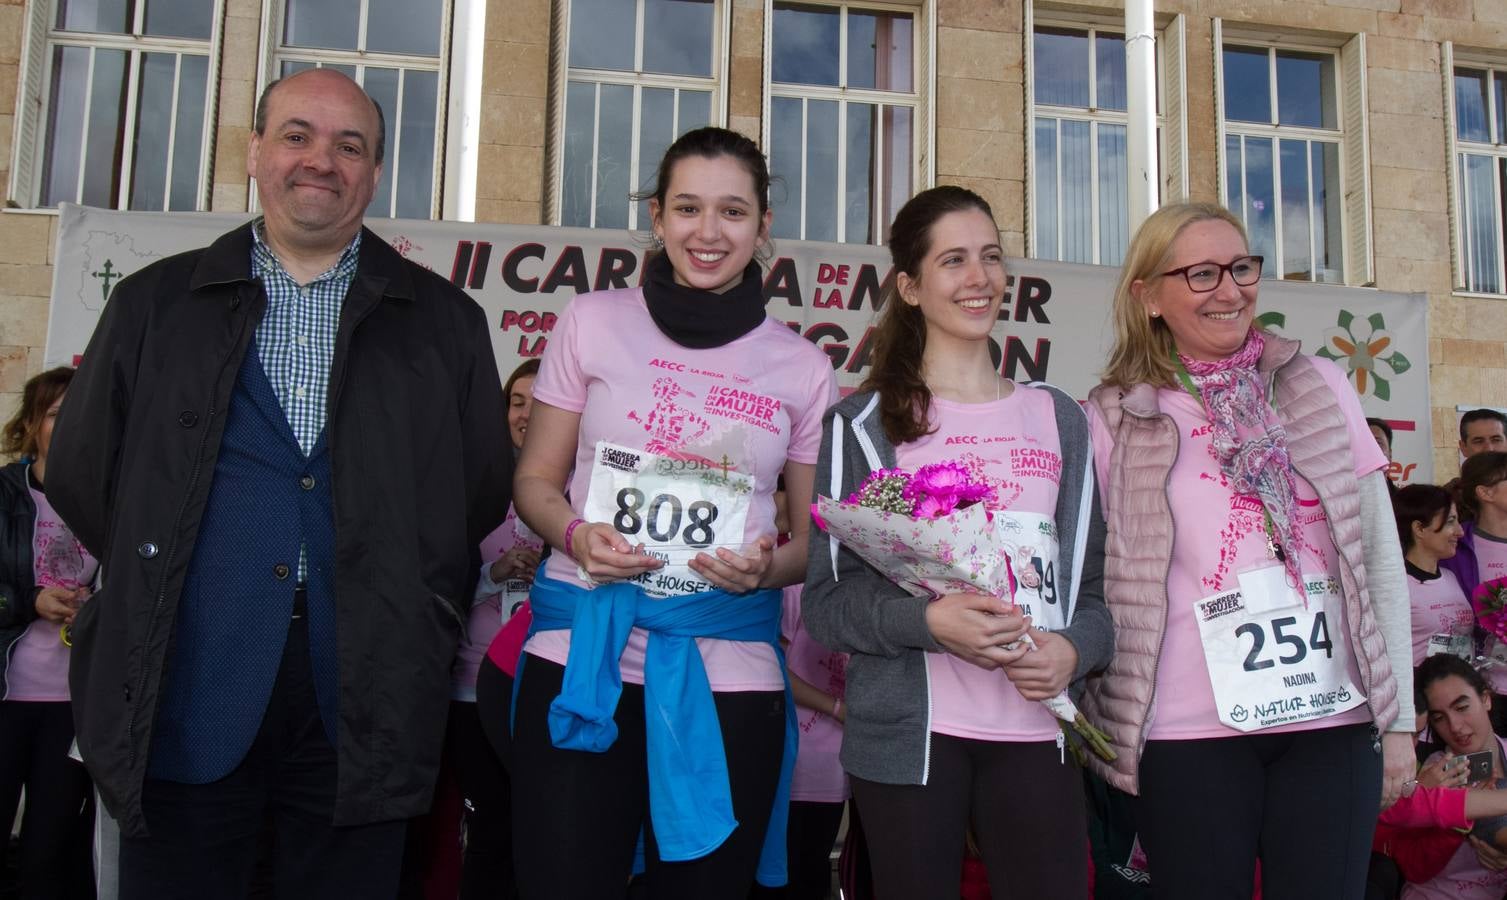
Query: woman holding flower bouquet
[
  {"x": 1481, "y": 557},
  {"x": 1260, "y": 694},
  {"x": 652, "y": 712},
  {"x": 943, "y": 730}
]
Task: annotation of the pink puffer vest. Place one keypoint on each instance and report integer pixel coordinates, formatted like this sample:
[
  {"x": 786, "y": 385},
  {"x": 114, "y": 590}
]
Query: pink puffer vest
[{"x": 1138, "y": 547}]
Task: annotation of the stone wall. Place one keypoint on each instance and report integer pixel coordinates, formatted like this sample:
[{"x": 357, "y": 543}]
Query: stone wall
[{"x": 981, "y": 132}]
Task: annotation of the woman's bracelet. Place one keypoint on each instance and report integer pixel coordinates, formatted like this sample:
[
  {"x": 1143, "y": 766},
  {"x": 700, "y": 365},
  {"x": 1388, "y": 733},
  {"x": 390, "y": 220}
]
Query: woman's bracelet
[
  {"x": 570, "y": 532},
  {"x": 836, "y": 707}
]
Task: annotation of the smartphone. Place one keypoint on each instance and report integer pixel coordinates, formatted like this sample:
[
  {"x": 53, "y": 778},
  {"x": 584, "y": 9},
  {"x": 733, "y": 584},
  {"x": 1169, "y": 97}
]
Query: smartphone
[{"x": 1479, "y": 766}]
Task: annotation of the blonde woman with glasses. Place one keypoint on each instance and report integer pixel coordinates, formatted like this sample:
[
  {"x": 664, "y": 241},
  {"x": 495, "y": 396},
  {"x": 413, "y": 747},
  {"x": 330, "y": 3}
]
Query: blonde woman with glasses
[{"x": 1252, "y": 569}]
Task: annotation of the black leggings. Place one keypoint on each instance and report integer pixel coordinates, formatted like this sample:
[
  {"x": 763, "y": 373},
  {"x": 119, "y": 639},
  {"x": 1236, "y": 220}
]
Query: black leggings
[
  {"x": 494, "y": 701},
  {"x": 578, "y": 815},
  {"x": 1304, "y": 802},
  {"x": 1025, "y": 805},
  {"x": 57, "y": 826},
  {"x": 808, "y": 852}
]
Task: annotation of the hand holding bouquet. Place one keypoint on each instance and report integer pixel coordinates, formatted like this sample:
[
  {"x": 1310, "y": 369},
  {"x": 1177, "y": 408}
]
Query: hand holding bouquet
[{"x": 929, "y": 533}]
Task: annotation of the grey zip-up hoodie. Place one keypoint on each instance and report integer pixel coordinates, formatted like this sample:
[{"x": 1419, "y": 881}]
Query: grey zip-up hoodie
[{"x": 848, "y": 606}]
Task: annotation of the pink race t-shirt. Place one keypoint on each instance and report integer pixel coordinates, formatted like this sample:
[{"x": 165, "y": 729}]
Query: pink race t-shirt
[
  {"x": 1463, "y": 877},
  {"x": 1219, "y": 534},
  {"x": 1439, "y": 608},
  {"x": 1491, "y": 556},
  {"x": 487, "y": 612},
  {"x": 1013, "y": 444},
  {"x": 38, "y": 666},
  {"x": 818, "y": 776},
  {"x": 742, "y": 409}
]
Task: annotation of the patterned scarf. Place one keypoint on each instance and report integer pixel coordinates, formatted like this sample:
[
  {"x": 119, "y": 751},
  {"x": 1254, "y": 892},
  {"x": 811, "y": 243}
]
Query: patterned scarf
[{"x": 1249, "y": 442}]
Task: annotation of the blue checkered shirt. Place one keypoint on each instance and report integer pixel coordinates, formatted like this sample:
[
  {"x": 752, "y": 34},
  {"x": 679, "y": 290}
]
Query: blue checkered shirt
[{"x": 296, "y": 339}]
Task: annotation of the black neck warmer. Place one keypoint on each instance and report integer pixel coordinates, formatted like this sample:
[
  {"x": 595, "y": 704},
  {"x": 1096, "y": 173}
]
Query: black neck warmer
[{"x": 700, "y": 319}]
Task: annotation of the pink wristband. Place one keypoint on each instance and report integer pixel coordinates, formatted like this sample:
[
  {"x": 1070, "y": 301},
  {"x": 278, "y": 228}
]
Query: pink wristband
[{"x": 570, "y": 532}]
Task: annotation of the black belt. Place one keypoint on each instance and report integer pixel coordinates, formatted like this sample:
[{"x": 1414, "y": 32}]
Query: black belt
[{"x": 300, "y": 602}]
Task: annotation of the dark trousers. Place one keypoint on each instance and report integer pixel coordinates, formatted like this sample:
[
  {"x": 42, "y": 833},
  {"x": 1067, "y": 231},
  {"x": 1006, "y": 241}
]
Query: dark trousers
[
  {"x": 1025, "y": 806},
  {"x": 488, "y": 868},
  {"x": 809, "y": 837},
  {"x": 494, "y": 702},
  {"x": 577, "y": 815},
  {"x": 205, "y": 838},
  {"x": 57, "y": 827},
  {"x": 1305, "y": 803}
]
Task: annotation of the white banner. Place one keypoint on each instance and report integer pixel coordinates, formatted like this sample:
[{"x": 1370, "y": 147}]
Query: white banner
[{"x": 1054, "y": 326}]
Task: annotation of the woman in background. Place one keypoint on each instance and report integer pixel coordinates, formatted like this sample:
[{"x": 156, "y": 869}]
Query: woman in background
[
  {"x": 1443, "y": 621},
  {"x": 509, "y": 556},
  {"x": 45, "y": 576}
]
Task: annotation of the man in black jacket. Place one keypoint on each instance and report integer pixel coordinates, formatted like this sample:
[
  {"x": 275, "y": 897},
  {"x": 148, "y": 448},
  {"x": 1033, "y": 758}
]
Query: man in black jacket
[{"x": 285, "y": 448}]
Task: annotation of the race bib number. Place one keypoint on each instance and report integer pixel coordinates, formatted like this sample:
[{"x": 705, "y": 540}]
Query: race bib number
[
  {"x": 1271, "y": 660},
  {"x": 676, "y": 508},
  {"x": 514, "y": 593},
  {"x": 1453, "y": 644},
  {"x": 1031, "y": 542}
]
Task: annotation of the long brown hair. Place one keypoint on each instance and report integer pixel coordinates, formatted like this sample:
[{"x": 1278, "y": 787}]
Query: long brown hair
[
  {"x": 1481, "y": 470},
  {"x": 900, "y": 336},
  {"x": 1142, "y": 353},
  {"x": 20, "y": 434}
]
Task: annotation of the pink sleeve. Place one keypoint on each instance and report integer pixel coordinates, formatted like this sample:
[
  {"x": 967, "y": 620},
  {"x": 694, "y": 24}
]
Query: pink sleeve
[
  {"x": 1438, "y": 807},
  {"x": 1368, "y": 456},
  {"x": 561, "y": 382},
  {"x": 806, "y": 431}
]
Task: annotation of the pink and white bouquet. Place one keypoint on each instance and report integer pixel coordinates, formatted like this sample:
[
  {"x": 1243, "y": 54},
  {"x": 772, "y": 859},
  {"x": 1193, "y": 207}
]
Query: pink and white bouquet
[{"x": 930, "y": 533}]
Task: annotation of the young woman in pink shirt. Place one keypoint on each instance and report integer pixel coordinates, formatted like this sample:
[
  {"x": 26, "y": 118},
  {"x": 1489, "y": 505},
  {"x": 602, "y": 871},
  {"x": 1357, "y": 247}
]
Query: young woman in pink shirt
[
  {"x": 943, "y": 727},
  {"x": 45, "y": 576},
  {"x": 1444, "y": 864},
  {"x": 651, "y": 695}
]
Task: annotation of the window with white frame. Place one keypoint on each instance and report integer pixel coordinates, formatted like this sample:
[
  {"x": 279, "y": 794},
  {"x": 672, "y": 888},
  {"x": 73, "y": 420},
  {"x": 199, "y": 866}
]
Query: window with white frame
[
  {"x": 116, "y": 102},
  {"x": 627, "y": 100},
  {"x": 842, "y": 130},
  {"x": 1079, "y": 196},
  {"x": 396, "y": 50},
  {"x": 1283, "y": 151},
  {"x": 1480, "y": 173},
  {"x": 1077, "y": 166}
]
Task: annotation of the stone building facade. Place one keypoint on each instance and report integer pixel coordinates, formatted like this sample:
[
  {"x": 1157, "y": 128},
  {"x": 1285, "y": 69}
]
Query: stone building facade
[{"x": 1410, "y": 185}]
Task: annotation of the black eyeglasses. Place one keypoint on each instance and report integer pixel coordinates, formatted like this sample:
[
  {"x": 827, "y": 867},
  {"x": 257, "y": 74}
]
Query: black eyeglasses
[{"x": 1206, "y": 276}]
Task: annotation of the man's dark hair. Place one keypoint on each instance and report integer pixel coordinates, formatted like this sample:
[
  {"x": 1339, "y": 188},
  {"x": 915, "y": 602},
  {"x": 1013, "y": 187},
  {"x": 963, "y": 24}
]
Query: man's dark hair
[
  {"x": 260, "y": 124},
  {"x": 1382, "y": 424},
  {"x": 1482, "y": 415}
]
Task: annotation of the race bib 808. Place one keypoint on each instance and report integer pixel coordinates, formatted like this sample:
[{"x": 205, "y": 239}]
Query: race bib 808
[{"x": 676, "y": 508}]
